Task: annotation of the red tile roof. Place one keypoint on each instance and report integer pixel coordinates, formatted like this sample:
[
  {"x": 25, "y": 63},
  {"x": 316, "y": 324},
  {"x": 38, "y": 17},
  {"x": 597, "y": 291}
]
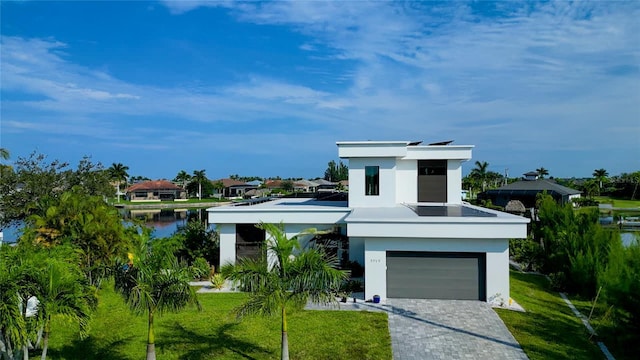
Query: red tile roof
[{"x": 154, "y": 185}]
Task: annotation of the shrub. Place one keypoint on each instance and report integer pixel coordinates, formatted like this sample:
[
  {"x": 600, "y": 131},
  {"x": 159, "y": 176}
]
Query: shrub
[
  {"x": 200, "y": 268},
  {"x": 621, "y": 283},
  {"x": 526, "y": 252},
  {"x": 218, "y": 281}
]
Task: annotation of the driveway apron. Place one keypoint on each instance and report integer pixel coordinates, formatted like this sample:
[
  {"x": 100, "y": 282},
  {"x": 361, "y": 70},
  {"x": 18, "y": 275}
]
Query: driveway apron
[{"x": 448, "y": 329}]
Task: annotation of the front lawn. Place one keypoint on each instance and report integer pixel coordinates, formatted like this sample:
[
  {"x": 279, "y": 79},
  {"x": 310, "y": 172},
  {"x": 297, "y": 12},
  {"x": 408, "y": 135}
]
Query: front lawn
[
  {"x": 213, "y": 333},
  {"x": 548, "y": 330}
]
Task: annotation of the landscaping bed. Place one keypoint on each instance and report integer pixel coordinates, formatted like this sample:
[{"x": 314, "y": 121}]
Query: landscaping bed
[{"x": 214, "y": 333}]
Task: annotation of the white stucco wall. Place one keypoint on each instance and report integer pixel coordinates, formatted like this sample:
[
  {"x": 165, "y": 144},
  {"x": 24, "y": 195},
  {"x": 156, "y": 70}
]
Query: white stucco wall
[
  {"x": 357, "y": 197},
  {"x": 406, "y": 181},
  {"x": 227, "y": 243},
  {"x": 454, "y": 181},
  {"x": 497, "y": 260}
]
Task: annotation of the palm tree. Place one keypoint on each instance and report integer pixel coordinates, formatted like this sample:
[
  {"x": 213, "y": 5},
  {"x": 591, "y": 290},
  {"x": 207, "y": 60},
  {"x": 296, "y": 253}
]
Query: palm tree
[
  {"x": 480, "y": 173},
  {"x": 289, "y": 278},
  {"x": 63, "y": 291},
  {"x": 542, "y": 172},
  {"x": 119, "y": 173},
  {"x": 153, "y": 282},
  {"x": 183, "y": 177},
  {"x": 600, "y": 175},
  {"x": 4, "y": 155},
  {"x": 13, "y": 328},
  {"x": 200, "y": 177},
  {"x": 219, "y": 187}
]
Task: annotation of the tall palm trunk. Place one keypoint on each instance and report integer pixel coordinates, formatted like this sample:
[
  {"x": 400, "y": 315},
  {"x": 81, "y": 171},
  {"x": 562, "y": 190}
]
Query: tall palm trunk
[
  {"x": 45, "y": 339},
  {"x": 151, "y": 339},
  {"x": 199, "y": 190},
  {"x": 285, "y": 340}
]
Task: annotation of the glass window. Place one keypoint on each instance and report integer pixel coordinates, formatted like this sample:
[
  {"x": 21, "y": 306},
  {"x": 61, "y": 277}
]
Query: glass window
[{"x": 372, "y": 180}]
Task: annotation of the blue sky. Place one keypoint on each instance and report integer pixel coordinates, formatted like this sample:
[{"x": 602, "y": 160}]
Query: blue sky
[{"x": 267, "y": 89}]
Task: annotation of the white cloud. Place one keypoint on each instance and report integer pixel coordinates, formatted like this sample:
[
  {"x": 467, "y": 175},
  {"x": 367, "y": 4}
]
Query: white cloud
[{"x": 535, "y": 75}]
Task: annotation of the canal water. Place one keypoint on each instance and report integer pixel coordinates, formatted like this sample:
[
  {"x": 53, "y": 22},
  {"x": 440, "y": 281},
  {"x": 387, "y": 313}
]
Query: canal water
[{"x": 165, "y": 222}]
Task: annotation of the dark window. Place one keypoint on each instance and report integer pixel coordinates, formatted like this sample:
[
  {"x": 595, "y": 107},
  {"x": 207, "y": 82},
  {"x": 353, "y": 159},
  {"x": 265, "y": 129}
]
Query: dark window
[
  {"x": 432, "y": 181},
  {"x": 372, "y": 180}
]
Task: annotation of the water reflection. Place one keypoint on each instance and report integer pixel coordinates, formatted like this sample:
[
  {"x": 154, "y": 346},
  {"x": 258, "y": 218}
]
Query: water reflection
[{"x": 165, "y": 222}]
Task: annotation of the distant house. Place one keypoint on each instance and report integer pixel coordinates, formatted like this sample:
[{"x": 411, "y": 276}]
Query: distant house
[
  {"x": 526, "y": 191},
  {"x": 234, "y": 188},
  {"x": 156, "y": 190},
  {"x": 324, "y": 185},
  {"x": 273, "y": 184},
  {"x": 305, "y": 186}
]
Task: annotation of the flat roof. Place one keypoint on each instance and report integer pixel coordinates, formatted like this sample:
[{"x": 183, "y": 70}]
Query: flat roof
[
  {"x": 425, "y": 213},
  {"x": 283, "y": 204}
]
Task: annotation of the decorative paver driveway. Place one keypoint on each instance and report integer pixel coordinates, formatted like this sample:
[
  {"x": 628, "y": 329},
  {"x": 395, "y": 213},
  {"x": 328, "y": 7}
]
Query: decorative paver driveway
[
  {"x": 444, "y": 329},
  {"x": 448, "y": 329}
]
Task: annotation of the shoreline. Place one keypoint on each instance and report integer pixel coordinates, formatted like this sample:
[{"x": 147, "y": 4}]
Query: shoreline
[{"x": 171, "y": 205}]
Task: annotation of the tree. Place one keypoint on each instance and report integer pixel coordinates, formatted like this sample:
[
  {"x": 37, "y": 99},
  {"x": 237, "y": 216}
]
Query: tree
[
  {"x": 63, "y": 290},
  {"x": 336, "y": 172},
  {"x": 542, "y": 172},
  {"x": 285, "y": 277},
  {"x": 218, "y": 186},
  {"x": 199, "y": 177},
  {"x": 119, "y": 173},
  {"x": 480, "y": 173},
  {"x": 85, "y": 222},
  {"x": 52, "y": 277},
  {"x": 183, "y": 177},
  {"x": 152, "y": 283},
  {"x": 600, "y": 175},
  {"x": 287, "y": 185},
  {"x": 4, "y": 155},
  {"x": 35, "y": 179}
]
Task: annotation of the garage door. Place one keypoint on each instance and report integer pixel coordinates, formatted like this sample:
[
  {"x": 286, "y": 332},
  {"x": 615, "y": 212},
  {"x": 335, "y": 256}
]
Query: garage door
[{"x": 429, "y": 275}]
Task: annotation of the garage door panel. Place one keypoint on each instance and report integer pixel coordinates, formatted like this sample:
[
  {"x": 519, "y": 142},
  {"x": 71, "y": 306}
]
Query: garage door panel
[{"x": 435, "y": 275}]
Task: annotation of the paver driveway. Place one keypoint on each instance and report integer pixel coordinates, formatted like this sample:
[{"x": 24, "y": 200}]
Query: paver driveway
[
  {"x": 448, "y": 329},
  {"x": 443, "y": 329}
]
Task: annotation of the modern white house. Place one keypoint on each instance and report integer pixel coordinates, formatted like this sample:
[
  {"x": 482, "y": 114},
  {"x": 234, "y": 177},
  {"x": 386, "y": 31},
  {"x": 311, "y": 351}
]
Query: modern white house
[{"x": 405, "y": 222}]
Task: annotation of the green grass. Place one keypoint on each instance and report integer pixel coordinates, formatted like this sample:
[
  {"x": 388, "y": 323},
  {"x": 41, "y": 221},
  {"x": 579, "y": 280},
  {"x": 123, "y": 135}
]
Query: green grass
[
  {"x": 619, "y": 203},
  {"x": 214, "y": 333},
  {"x": 621, "y": 342},
  {"x": 548, "y": 330}
]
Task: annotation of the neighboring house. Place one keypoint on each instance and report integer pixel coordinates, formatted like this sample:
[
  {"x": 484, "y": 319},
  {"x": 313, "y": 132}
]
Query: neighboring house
[
  {"x": 234, "y": 188},
  {"x": 156, "y": 190},
  {"x": 325, "y": 185},
  {"x": 305, "y": 186},
  {"x": 404, "y": 222},
  {"x": 526, "y": 191}
]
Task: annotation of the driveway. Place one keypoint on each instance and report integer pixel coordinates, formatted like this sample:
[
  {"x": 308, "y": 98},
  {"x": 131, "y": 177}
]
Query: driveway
[
  {"x": 444, "y": 329},
  {"x": 448, "y": 329}
]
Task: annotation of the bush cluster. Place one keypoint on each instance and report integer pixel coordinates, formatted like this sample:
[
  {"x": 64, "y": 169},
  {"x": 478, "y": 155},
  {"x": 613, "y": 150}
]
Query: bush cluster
[{"x": 581, "y": 257}]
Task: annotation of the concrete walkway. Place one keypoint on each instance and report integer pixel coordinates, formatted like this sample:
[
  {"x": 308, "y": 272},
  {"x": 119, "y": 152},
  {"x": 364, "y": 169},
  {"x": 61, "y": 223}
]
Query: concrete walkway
[{"x": 444, "y": 329}]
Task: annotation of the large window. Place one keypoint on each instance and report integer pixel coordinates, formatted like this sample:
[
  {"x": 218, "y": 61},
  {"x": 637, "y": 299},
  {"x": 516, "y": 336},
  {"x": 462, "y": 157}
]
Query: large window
[
  {"x": 432, "y": 181},
  {"x": 372, "y": 180}
]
